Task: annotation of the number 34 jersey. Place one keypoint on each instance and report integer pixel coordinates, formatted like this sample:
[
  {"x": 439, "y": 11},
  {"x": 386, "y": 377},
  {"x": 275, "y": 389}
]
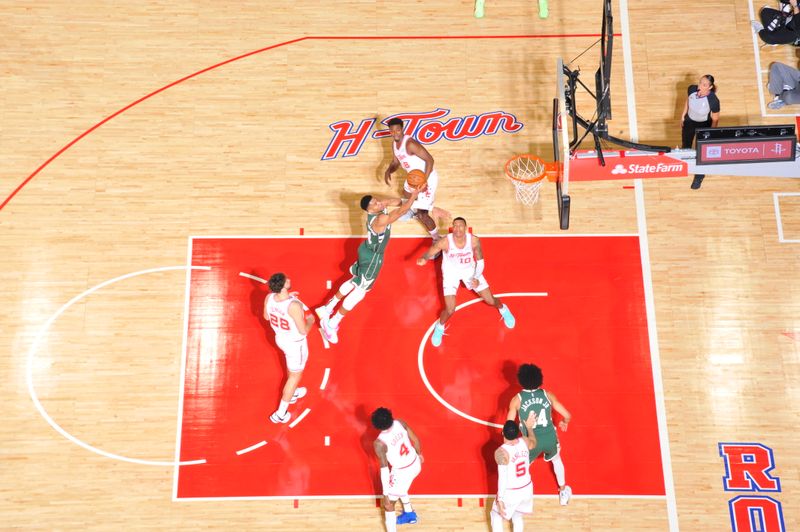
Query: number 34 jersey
[
  {"x": 282, "y": 323},
  {"x": 535, "y": 404},
  {"x": 400, "y": 453}
]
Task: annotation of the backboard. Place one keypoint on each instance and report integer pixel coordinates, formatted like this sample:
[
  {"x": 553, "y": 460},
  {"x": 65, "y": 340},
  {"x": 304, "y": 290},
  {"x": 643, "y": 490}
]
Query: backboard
[{"x": 561, "y": 153}]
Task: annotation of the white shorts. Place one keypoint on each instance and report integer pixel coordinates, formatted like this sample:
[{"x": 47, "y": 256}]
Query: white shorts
[
  {"x": 519, "y": 500},
  {"x": 400, "y": 479},
  {"x": 296, "y": 352},
  {"x": 451, "y": 280},
  {"x": 425, "y": 199}
]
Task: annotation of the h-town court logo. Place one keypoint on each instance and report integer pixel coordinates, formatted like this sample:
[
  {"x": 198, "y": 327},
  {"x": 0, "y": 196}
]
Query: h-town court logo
[{"x": 427, "y": 128}]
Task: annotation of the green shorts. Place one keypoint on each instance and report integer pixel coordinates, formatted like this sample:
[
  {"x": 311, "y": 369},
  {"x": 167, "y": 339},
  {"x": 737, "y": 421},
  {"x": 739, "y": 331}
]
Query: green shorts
[
  {"x": 366, "y": 269},
  {"x": 547, "y": 443}
]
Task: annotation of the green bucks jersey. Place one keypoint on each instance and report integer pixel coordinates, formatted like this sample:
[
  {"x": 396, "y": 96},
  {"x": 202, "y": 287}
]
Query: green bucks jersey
[
  {"x": 377, "y": 242},
  {"x": 535, "y": 404}
]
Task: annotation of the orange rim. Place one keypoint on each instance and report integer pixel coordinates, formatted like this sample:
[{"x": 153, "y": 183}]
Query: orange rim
[{"x": 551, "y": 169}]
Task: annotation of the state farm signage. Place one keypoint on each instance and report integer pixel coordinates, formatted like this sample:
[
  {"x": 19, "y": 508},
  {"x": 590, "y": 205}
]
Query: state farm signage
[
  {"x": 749, "y": 151},
  {"x": 626, "y": 167}
]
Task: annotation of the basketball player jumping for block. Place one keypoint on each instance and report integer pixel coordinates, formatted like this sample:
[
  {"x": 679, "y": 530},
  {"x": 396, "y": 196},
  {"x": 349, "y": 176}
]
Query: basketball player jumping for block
[
  {"x": 535, "y": 406},
  {"x": 370, "y": 259},
  {"x": 462, "y": 261},
  {"x": 396, "y": 446},
  {"x": 285, "y": 313},
  {"x": 411, "y": 155},
  {"x": 514, "y": 483}
]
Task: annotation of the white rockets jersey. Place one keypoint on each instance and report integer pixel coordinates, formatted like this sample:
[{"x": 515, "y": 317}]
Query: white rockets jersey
[
  {"x": 407, "y": 161},
  {"x": 457, "y": 260},
  {"x": 282, "y": 323},
  {"x": 400, "y": 453},
  {"x": 518, "y": 473}
]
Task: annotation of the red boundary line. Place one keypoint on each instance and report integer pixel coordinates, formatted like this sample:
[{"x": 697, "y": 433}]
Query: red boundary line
[{"x": 260, "y": 50}]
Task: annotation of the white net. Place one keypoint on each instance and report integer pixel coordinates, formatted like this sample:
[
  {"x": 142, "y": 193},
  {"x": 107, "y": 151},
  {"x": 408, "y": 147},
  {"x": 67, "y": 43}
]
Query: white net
[{"x": 527, "y": 174}]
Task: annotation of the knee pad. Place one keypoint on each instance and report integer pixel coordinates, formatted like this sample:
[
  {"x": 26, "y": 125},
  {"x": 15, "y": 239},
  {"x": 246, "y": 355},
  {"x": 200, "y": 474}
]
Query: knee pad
[
  {"x": 353, "y": 298},
  {"x": 346, "y": 287}
]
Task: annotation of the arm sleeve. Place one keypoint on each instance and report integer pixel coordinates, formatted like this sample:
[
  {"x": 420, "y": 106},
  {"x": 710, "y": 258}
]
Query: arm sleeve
[
  {"x": 713, "y": 103},
  {"x": 502, "y": 479},
  {"x": 478, "y": 268},
  {"x": 385, "y": 479}
]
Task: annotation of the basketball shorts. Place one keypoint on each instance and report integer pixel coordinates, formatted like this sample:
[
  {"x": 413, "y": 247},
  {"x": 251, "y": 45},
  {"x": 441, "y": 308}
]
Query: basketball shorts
[
  {"x": 451, "y": 280},
  {"x": 400, "y": 479},
  {"x": 296, "y": 352},
  {"x": 519, "y": 500},
  {"x": 425, "y": 199},
  {"x": 546, "y": 443},
  {"x": 366, "y": 269}
]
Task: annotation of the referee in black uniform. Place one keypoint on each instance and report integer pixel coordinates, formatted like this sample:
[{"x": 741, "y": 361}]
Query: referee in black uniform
[{"x": 701, "y": 110}]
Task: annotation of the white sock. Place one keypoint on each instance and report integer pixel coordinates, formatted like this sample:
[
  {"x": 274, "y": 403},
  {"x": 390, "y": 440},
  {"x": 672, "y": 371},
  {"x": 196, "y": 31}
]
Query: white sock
[
  {"x": 391, "y": 521},
  {"x": 331, "y": 304},
  {"x": 406, "y": 504},
  {"x": 336, "y": 319},
  {"x": 497, "y": 522},
  {"x": 434, "y": 233},
  {"x": 284, "y": 406},
  {"x": 558, "y": 469},
  {"x": 517, "y": 523}
]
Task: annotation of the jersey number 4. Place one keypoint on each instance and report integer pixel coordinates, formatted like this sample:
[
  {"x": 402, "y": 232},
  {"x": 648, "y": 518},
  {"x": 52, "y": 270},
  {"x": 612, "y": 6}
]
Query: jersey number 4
[
  {"x": 403, "y": 449},
  {"x": 278, "y": 322},
  {"x": 541, "y": 420}
]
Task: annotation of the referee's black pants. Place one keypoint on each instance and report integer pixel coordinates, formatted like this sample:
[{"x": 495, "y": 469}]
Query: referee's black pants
[{"x": 688, "y": 130}]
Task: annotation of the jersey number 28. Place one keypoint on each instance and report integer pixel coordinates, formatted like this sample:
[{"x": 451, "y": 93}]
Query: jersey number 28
[{"x": 278, "y": 322}]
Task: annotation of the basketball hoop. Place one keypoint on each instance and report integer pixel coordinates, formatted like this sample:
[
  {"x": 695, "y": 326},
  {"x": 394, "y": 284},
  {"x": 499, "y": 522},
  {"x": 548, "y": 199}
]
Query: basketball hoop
[{"x": 527, "y": 172}]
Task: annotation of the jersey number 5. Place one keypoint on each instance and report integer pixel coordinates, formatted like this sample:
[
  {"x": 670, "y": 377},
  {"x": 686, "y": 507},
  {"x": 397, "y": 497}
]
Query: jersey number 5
[
  {"x": 278, "y": 322},
  {"x": 521, "y": 469}
]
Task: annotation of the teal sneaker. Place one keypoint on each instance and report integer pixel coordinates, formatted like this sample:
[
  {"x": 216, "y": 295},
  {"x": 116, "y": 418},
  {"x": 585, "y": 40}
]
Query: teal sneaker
[
  {"x": 479, "y": 5},
  {"x": 508, "y": 318},
  {"x": 438, "y": 332}
]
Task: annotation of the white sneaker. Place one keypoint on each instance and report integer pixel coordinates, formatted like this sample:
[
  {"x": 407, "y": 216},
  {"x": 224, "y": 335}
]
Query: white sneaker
[
  {"x": 329, "y": 332},
  {"x": 322, "y": 313},
  {"x": 275, "y": 418},
  {"x": 299, "y": 393},
  {"x": 564, "y": 495}
]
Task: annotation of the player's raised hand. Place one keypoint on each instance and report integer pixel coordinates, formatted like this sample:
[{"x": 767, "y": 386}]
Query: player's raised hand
[{"x": 421, "y": 261}]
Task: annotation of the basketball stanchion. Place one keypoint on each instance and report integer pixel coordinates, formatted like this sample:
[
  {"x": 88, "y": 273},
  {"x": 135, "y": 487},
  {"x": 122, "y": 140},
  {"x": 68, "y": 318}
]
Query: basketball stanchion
[{"x": 527, "y": 172}]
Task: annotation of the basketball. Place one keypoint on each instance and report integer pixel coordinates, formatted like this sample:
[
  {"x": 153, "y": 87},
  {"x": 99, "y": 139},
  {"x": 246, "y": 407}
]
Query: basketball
[{"x": 416, "y": 178}]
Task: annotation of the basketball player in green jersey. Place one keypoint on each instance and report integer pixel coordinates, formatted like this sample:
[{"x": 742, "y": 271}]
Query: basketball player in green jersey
[
  {"x": 370, "y": 259},
  {"x": 535, "y": 407}
]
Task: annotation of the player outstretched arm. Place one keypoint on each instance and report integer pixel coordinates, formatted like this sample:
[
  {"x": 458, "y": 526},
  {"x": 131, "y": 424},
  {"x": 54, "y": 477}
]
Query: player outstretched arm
[
  {"x": 561, "y": 409},
  {"x": 387, "y": 175},
  {"x": 530, "y": 439},
  {"x": 385, "y": 219},
  {"x": 413, "y": 437},
  {"x": 415, "y": 148},
  {"x": 440, "y": 245},
  {"x": 501, "y": 457},
  {"x": 380, "y": 452},
  {"x": 513, "y": 408},
  {"x": 303, "y": 322}
]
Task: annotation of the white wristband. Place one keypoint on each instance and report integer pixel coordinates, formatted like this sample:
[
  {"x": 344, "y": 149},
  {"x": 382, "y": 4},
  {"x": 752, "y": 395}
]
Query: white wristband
[
  {"x": 478, "y": 268},
  {"x": 385, "y": 479}
]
